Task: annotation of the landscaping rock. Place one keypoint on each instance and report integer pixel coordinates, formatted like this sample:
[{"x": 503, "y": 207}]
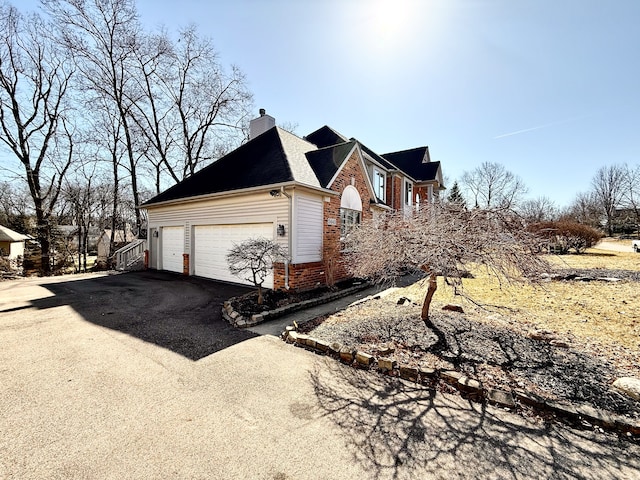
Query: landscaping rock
[
  {"x": 364, "y": 359},
  {"x": 322, "y": 345},
  {"x": 542, "y": 335},
  {"x": 427, "y": 372},
  {"x": 409, "y": 373},
  {"x": 628, "y": 386},
  {"x": 346, "y": 355},
  {"x": 335, "y": 348},
  {"x": 453, "y": 308},
  {"x": 501, "y": 398},
  {"x": 385, "y": 350},
  {"x": 386, "y": 364},
  {"x": 529, "y": 398},
  {"x": 403, "y": 300},
  {"x": 292, "y": 337},
  {"x": 451, "y": 376},
  {"x": 594, "y": 415},
  {"x": 469, "y": 385}
]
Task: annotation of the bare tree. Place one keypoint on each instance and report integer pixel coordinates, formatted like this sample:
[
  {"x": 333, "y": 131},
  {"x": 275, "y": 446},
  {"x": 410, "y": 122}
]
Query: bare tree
[
  {"x": 583, "y": 209},
  {"x": 444, "y": 240},
  {"x": 631, "y": 193},
  {"x": 103, "y": 36},
  {"x": 253, "y": 260},
  {"x": 491, "y": 185},
  {"x": 34, "y": 85},
  {"x": 608, "y": 190},
  {"x": 190, "y": 110},
  {"x": 15, "y": 207},
  {"x": 213, "y": 105},
  {"x": 541, "y": 209}
]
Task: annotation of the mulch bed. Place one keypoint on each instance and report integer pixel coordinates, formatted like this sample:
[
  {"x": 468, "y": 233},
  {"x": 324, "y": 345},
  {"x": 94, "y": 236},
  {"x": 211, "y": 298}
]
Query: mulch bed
[
  {"x": 247, "y": 305},
  {"x": 490, "y": 348}
]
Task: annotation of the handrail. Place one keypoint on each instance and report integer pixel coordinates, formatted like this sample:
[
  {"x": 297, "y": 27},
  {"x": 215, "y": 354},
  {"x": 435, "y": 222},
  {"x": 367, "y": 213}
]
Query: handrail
[{"x": 130, "y": 254}]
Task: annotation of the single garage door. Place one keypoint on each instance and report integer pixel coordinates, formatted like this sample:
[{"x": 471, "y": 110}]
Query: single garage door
[
  {"x": 172, "y": 248},
  {"x": 213, "y": 242}
]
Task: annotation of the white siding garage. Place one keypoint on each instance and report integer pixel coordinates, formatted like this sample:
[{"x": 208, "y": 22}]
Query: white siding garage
[
  {"x": 213, "y": 242},
  {"x": 172, "y": 248}
]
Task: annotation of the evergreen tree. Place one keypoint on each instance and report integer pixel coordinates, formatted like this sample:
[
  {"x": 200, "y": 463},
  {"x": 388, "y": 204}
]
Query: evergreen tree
[{"x": 455, "y": 196}]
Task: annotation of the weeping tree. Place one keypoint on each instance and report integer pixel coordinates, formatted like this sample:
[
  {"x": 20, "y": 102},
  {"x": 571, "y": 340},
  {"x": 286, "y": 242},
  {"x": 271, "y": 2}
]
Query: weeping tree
[
  {"x": 443, "y": 240},
  {"x": 253, "y": 259}
]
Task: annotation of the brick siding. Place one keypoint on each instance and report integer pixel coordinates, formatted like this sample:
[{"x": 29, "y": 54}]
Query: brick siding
[{"x": 311, "y": 275}]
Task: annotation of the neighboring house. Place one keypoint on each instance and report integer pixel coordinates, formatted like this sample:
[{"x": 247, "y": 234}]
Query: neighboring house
[
  {"x": 120, "y": 239},
  {"x": 70, "y": 235},
  {"x": 12, "y": 243},
  {"x": 305, "y": 193}
]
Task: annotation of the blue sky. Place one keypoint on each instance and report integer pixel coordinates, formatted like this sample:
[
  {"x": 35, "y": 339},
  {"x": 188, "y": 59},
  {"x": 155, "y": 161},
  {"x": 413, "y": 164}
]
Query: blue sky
[{"x": 548, "y": 88}]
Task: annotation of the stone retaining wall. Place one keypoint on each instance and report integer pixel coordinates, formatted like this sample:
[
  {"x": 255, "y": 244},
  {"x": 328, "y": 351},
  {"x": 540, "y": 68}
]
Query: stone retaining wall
[
  {"x": 239, "y": 321},
  {"x": 583, "y": 414}
]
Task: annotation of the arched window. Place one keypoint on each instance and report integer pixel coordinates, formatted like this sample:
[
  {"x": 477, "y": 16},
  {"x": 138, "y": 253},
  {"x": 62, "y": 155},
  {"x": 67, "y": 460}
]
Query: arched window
[{"x": 350, "y": 210}]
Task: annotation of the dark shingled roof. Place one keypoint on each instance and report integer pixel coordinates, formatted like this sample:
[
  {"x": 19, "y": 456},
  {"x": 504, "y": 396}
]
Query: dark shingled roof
[
  {"x": 325, "y": 137},
  {"x": 377, "y": 157},
  {"x": 326, "y": 161},
  {"x": 411, "y": 162},
  {"x": 262, "y": 161}
]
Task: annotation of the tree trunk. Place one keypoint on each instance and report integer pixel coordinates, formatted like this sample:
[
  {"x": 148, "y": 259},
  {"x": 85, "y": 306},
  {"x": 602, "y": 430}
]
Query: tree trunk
[
  {"x": 260, "y": 299},
  {"x": 441, "y": 342},
  {"x": 433, "y": 286}
]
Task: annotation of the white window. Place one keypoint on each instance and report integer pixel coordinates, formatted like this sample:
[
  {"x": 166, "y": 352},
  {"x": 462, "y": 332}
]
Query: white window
[
  {"x": 379, "y": 184},
  {"x": 350, "y": 210},
  {"x": 349, "y": 219},
  {"x": 408, "y": 193}
]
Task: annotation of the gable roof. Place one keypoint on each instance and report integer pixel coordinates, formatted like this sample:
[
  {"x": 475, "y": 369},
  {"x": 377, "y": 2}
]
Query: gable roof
[
  {"x": 325, "y": 137},
  {"x": 8, "y": 235},
  {"x": 276, "y": 156},
  {"x": 325, "y": 162},
  {"x": 415, "y": 162},
  {"x": 378, "y": 158}
]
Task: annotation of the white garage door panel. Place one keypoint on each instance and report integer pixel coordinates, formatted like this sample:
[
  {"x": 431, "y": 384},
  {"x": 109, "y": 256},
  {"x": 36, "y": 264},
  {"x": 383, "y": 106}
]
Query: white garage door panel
[
  {"x": 213, "y": 242},
  {"x": 172, "y": 248}
]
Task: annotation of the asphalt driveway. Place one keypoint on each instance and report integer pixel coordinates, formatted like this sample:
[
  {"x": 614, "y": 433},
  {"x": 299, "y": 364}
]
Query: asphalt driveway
[
  {"x": 179, "y": 313},
  {"x": 87, "y": 393}
]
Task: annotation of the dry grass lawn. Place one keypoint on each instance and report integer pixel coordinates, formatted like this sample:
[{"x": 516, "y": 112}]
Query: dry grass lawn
[{"x": 601, "y": 317}]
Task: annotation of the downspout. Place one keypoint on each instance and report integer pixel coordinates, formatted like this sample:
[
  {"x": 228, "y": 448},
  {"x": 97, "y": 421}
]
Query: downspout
[{"x": 289, "y": 236}]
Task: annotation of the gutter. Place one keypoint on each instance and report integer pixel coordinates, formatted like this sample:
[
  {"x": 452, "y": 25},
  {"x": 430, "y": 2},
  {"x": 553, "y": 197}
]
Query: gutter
[
  {"x": 289, "y": 238},
  {"x": 232, "y": 193}
]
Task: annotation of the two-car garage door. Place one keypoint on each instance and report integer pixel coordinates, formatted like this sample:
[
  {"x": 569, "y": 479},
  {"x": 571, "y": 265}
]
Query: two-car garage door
[{"x": 211, "y": 243}]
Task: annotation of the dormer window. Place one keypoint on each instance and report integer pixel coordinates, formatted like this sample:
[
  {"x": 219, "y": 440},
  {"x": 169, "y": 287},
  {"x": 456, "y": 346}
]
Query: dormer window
[{"x": 379, "y": 184}]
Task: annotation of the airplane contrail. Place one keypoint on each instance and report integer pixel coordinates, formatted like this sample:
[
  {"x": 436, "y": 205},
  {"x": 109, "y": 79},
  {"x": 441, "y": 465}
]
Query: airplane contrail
[{"x": 538, "y": 127}]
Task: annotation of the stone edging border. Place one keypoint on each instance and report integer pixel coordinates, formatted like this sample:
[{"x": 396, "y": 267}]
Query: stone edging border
[
  {"x": 468, "y": 387},
  {"x": 238, "y": 321}
]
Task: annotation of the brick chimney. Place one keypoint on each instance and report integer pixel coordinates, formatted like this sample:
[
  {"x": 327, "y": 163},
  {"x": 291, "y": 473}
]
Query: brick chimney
[{"x": 259, "y": 125}]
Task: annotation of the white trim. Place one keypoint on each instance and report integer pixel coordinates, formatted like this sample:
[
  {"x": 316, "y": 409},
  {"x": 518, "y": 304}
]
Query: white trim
[
  {"x": 376, "y": 174},
  {"x": 350, "y": 199},
  {"x": 233, "y": 193}
]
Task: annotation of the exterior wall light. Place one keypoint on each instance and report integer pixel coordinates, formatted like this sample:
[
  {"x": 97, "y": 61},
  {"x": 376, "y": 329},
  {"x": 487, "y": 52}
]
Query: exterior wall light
[{"x": 281, "y": 230}]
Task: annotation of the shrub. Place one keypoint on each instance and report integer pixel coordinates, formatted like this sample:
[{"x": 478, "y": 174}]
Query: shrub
[
  {"x": 253, "y": 260},
  {"x": 5, "y": 264},
  {"x": 564, "y": 236}
]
